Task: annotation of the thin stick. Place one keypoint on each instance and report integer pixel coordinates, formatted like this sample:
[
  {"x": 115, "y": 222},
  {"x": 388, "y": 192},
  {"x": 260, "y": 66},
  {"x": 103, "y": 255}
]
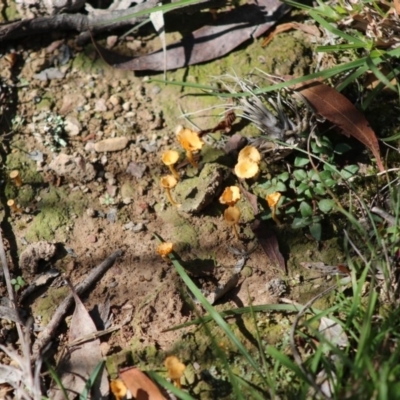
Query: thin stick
[{"x": 62, "y": 309}]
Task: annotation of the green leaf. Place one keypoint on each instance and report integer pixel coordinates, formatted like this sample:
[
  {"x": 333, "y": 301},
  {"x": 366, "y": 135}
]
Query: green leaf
[
  {"x": 305, "y": 209},
  {"x": 316, "y": 231},
  {"x": 349, "y": 171},
  {"x": 314, "y": 175},
  {"x": 283, "y": 177},
  {"x": 325, "y": 175},
  {"x": 299, "y": 223},
  {"x": 301, "y": 188},
  {"x": 300, "y": 174},
  {"x": 319, "y": 189},
  {"x": 326, "y": 205},
  {"x": 341, "y": 148},
  {"x": 91, "y": 380},
  {"x": 301, "y": 161}
]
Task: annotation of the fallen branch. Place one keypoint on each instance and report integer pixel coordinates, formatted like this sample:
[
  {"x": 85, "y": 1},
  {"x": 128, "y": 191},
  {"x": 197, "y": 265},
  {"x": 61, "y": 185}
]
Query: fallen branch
[
  {"x": 62, "y": 309},
  {"x": 95, "y": 22}
]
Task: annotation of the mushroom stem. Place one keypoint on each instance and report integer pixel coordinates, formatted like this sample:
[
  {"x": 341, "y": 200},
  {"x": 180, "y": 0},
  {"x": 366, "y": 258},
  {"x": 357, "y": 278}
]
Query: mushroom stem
[
  {"x": 235, "y": 231},
  {"x": 174, "y": 172},
  {"x": 178, "y": 383},
  {"x": 274, "y": 217},
  {"x": 171, "y": 200},
  {"x": 192, "y": 161}
]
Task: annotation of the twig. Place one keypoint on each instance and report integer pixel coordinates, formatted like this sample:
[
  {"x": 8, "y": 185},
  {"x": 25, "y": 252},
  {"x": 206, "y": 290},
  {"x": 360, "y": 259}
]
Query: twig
[
  {"x": 62, "y": 309},
  {"x": 296, "y": 354},
  {"x": 94, "y": 335},
  {"x": 94, "y": 22}
]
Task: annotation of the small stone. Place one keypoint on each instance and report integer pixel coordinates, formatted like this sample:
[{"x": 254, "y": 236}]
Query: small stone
[
  {"x": 112, "y": 144},
  {"x": 127, "y": 191},
  {"x": 92, "y": 239},
  {"x": 72, "y": 167},
  {"x": 115, "y": 100},
  {"x": 126, "y": 106},
  {"x": 100, "y": 105},
  {"x": 111, "y": 40},
  {"x": 155, "y": 90},
  {"x": 72, "y": 126},
  {"x": 90, "y": 212}
]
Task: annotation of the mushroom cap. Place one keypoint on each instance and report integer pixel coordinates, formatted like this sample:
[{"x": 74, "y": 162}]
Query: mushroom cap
[
  {"x": 246, "y": 169},
  {"x": 10, "y": 202},
  {"x": 14, "y": 174},
  {"x": 189, "y": 139},
  {"x": 164, "y": 248},
  {"x": 249, "y": 153},
  {"x": 168, "y": 181},
  {"x": 118, "y": 388},
  {"x": 175, "y": 367},
  {"x": 273, "y": 199},
  {"x": 232, "y": 215},
  {"x": 230, "y": 196},
  {"x": 170, "y": 157}
]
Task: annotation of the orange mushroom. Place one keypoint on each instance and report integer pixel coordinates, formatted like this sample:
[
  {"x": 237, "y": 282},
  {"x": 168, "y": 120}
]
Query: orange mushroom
[
  {"x": 13, "y": 205},
  {"x": 170, "y": 158},
  {"x": 232, "y": 216},
  {"x": 230, "y": 196},
  {"x": 16, "y": 178},
  {"x": 246, "y": 169},
  {"x": 175, "y": 369},
  {"x": 249, "y": 153},
  {"x": 273, "y": 200},
  {"x": 164, "y": 249},
  {"x": 168, "y": 182},
  {"x": 190, "y": 141}
]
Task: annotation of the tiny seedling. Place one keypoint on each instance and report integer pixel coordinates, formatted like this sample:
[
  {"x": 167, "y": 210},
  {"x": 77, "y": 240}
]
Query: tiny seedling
[
  {"x": 18, "y": 283},
  {"x": 107, "y": 200}
]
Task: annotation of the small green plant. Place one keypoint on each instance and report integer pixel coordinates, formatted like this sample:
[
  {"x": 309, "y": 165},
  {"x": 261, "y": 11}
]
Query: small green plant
[
  {"x": 18, "y": 283},
  {"x": 308, "y": 187},
  {"x": 107, "y": 200},
  {"x": 51, "y": 132}
]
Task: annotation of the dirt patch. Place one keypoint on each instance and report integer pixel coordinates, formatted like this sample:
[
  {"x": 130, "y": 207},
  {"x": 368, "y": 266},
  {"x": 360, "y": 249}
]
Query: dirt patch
[{"x": 98, "y": 201}]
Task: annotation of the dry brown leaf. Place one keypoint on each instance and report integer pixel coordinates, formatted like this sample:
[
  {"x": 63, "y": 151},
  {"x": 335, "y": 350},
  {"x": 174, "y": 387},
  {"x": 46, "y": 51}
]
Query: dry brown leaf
[
  {"x": 79, "y": 362},
  {"x": 141, "y": 387},
  {"x": 336, "y": 108},
  {"x": 228, "y": 32}
]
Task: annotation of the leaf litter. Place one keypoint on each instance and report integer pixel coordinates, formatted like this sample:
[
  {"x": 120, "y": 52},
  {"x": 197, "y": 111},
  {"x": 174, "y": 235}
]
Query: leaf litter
[{"x": 78, "y": 363}]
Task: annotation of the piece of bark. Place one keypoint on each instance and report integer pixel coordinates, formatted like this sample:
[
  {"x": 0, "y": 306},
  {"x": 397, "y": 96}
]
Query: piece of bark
[
  {"x": 207, "y": 43},
  {"x": 269, "y": 243},
  {"x": 94, "y": 22},
  {"x": 49, "y": 331}
]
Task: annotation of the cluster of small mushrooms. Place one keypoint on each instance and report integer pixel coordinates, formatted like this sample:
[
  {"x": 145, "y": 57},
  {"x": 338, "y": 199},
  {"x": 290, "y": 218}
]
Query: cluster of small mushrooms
[{"x": 247, "y": 167}]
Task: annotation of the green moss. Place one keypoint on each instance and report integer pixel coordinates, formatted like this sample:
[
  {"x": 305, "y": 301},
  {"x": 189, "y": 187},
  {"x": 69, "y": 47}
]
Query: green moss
[
  {"x": 56, "y": 208},
  {"x": 45, "y": 306}
]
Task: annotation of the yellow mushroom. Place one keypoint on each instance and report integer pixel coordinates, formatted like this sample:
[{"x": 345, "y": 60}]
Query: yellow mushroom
[
  {"x": 232, "y": 216},
  {"x": 249, "y": 153},
  {"x": 190, "y": 141},
  {"x": 175, "y": 369},
  {"x": 164, "y": 249},
  {"x": 246, "y": 169},
  {"x": 168, "y": 182},
  {"x": 170, "y": 158},
  {"x": 118, "y": 389},
  {"x": 230, "y": 196},
  {"x": 13, "y": 205},
  {"x": 16, "y": 178},
  {"x": 273, "y": 200}
]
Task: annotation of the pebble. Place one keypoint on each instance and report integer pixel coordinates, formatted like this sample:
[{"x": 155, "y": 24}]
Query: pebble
[
  {"x": 92, "y": 239},
  {"x": 72, "y": 126},
  {"x": 126, "y": 106},
  {"x": 90, "y": 212},
  {"x": 115, "y": 100},
  {"x": 100, "y": 105},
  {"x": 112, "y": 144}
]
